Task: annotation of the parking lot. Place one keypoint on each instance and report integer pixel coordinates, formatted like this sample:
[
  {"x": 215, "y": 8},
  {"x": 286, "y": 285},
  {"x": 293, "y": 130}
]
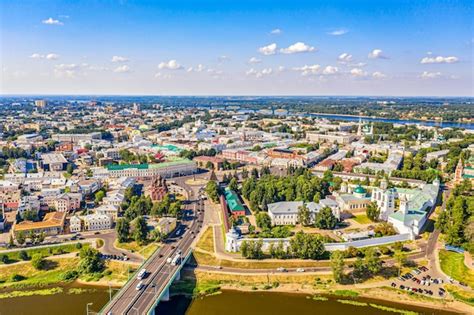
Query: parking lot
[{"x": 420, "y": 281}]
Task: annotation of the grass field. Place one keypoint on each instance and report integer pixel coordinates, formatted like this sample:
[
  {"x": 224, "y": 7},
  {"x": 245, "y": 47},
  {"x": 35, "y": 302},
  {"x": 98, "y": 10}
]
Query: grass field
[
  {"x": 145, "y": 250},
  {"x": 206, "y": 242},
  {"x": 36, "y": 278},
  {"x": 362, "y": 219},
  {"x": 148, "y": 250},
  {"x": 453, "y": 265},
  {"x": 14, "y": 257},
  {"x": 210, "y": 260}
]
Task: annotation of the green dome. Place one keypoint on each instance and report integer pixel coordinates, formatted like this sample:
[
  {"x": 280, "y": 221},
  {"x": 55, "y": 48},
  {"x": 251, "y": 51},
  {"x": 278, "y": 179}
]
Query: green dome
[{"x": 360, "y": 190}]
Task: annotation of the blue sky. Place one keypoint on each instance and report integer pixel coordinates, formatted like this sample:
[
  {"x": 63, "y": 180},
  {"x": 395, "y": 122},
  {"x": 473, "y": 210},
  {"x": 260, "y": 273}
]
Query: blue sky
[{"x": 237, "y": 47}]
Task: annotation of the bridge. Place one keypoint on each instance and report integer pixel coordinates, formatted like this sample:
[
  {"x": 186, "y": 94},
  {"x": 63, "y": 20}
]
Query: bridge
[{"x": 160, "y": 273}]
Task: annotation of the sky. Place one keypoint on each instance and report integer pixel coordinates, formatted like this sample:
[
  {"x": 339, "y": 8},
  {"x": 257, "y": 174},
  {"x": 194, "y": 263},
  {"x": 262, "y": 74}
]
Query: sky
[{"x": 336, "y": 47}]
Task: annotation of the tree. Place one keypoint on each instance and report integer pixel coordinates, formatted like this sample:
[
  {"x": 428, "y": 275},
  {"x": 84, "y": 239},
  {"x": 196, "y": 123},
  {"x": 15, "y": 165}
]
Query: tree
[
  {"x": 359, "y": 269},
  {"x": 372, "y": 261},
  {"x": 233, "y": 185},
  {"x": 90, "y": 261},
  {"x": 38, "y": 262},
  {"x": 20, "y": 238},
  {"x": 140, "y": 230},
  {"x": 244, "y": 248},
  {"x": 23, "y": 255},
  {"x": 69, "y": 169},
  {"x": 263, "y": 220},
  {"x": 400, "y": 258},
  {"x": 325, "y": 219},
  {"x": 99, "y": 196},
  {"x": 384, "y": 229},
  {"x": 123, "y": 229},
  {"x": 304, "y": 216},
  {"x": 307, "y": 246},
  {"x": 373, "y": 211},
  {"x": 4, "y": 259},
  {"x": 337, "y": 265},
  {"x": 212, "y": 190}
]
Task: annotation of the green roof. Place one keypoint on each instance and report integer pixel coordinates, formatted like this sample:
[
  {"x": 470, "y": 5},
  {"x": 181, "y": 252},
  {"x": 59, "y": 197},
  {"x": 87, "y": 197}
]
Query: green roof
[
  {"x": 360, "y": 190},
  {"x": 233, "y": 201},
  {"x": 120, "y": 167},
  {"x": 168, "y": 147}
]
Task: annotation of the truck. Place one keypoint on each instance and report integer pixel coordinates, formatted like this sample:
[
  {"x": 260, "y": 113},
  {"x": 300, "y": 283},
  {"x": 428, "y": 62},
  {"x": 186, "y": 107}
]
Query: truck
[{"x": 176, "y": 259}]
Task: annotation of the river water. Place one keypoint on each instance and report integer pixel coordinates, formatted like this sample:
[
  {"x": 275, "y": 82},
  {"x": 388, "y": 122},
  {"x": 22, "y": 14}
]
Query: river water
[
  {"x": 227, "y": 303},
  {"x": 267, "y": 303}
]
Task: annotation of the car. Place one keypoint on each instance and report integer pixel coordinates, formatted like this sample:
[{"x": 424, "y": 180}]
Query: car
[
  {"x": 139, "y": 286},
  {"x": 393, "y": 284},
  {"x": 281, "y": 269},
  {"x": 96, "y": 233},
  {"x": 463, "y": 284},
  {"x": 300, "y": 270},
  {"x": 402, "y": 287},
  {"x": 401, "y": 278}
]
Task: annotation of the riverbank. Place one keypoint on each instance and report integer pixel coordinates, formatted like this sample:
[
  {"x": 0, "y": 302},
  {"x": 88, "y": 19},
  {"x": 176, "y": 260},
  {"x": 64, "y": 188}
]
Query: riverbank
[{"x": 203, "y": 283}]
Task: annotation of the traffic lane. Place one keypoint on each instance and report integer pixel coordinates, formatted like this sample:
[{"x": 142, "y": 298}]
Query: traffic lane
[{"x": 160, "y": 277}]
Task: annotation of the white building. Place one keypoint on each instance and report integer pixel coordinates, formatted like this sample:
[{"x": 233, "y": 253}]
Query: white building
[
  {"x": 75, "y": 224},
  {"x": 95, "y": 222},
  {"x": 286, "y": 212}
]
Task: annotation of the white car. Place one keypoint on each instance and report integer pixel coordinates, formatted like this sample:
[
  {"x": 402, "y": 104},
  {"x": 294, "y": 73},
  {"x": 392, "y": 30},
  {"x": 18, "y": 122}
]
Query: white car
[
  {"x": 139, "y": 286},
  {"x": 300, "y": 270}
]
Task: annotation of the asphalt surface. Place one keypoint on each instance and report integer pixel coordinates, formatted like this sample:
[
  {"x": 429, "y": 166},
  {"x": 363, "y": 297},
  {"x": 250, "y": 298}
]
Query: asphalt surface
[{"x": 132, "y": 301}]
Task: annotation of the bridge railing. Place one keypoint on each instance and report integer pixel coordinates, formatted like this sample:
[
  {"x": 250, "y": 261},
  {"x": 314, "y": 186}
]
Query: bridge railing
[
  {"x": 130, "y": 280},
  {"x": 168, "y": 284}
]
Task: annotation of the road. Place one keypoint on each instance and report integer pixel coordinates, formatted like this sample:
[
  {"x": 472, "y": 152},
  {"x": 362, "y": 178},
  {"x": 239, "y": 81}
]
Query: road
[{"x": 132, "y": 301}]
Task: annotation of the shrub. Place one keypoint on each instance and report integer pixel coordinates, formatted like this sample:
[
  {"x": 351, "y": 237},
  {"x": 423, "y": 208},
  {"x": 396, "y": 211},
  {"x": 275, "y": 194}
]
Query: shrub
[
  {"x": 23, "y": 255},
  {"x": 38, "y": 262},
  {"x": 17, "y": 277},
  {"x": 70, "y": 275}
]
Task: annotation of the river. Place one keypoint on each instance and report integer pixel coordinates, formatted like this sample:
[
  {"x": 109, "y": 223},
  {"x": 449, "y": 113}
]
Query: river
[
  {"x": 268, "y": 303},
  {"x": 74, "y": 299}
]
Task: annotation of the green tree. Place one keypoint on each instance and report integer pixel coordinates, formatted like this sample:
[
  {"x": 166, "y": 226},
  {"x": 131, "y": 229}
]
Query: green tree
[
  {"x": 359, "y": 270},
  {"x": 373, "y": 211},
  {"x": 38, "y": 262},
  {"x": 140, "y": 230},
  {"x": 372, "y": 261},
  {"x": 325, "y": 219},
  {"x": 23, "y": 255},
  {"x": 90, "y": 261},
  {"x": 307, "y": 246},
  {"x": 20, "y": 238},
  {"x": 123, "y": 229},
  {"x": 99, "y": 195},
  {"x": 244, "y": 248},
  {"x": 337, "y": 265},
  {"x": 400, "y": 258},
  {"x": 233, "y": 185},
  {"x": 304, "y": 216},
  {"x": 263, "y": 220},
  {"x": 212, "y": 190}
]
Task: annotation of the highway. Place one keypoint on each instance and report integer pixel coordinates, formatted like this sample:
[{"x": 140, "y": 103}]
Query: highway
[{"x": 132, "y": 301}]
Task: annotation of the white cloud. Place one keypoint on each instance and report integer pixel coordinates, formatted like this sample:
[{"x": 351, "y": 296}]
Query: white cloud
[
  {"x": 223, "y": 58},
  {"x": 259, "y": 74},
  {"x": 430, "y": 75},
  {"x": 66, "y": 70},
  {"x": 198, "y": 68},
  {"x": 330, "y": 70},
  {"x": 268, "y": 50},
  {"x": 170, "y": 65},
  {"x": 439, "y": 59},
  {"x": 254, "y": 60},
  {"x": 281, "y": 68},
  {"x": 122, "y": 69},
  {"x": 276, "y": 31},
  {"x": 298, "y": 47},
  {"x": 307, "y": 70},
  {"x": 52, "y": 21},
  {"x": 52, "y": 56},
  {"x": 377, "y": 54},
  {"x": 119, "y": 59},
  {"x": 344, "y": 57},
  {"x": 36, "y": 56},
  {"x": 357, "y": 72},
  {"x": 378, "y": 75},
  {"x": 338, "y": 32},
  {"x": 160, "y": 75}
]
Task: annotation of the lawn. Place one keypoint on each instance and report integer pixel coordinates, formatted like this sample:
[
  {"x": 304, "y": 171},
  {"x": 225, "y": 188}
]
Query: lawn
[
  {"x": 210, "y": 260},
  {"x": 35, "y": 277},
  {"x": 148, "y": 250},
  {"x": 14, "y": 257},
  {"x": 362, "y": 219},
  {"x": 453, "y": 265},
  {"x": 206, "y": 242}
]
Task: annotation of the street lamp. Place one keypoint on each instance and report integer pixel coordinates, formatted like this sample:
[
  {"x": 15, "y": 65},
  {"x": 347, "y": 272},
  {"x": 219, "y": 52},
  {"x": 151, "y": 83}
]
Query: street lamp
[{"x": 87, "y": 307}]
